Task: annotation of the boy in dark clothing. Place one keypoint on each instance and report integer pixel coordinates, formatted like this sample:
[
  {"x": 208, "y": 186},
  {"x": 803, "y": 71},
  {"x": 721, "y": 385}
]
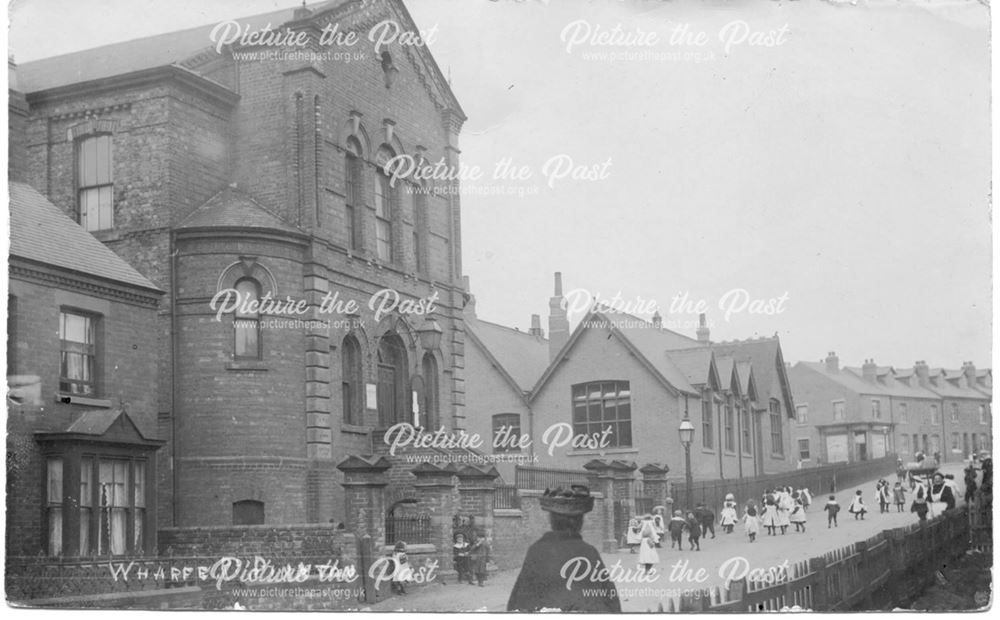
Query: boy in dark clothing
[
  {"x": 676, "y": 528},
  {"x": 831, "y": 508},
  {"x": 479, "y": 555},
  {"x": 693, "y": 527},
  {"x": 706, "y": 518}
]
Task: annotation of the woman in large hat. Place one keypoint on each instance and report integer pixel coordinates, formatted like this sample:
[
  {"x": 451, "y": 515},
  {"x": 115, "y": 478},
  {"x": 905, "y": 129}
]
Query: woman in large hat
[{"x": 540, "y": 586}]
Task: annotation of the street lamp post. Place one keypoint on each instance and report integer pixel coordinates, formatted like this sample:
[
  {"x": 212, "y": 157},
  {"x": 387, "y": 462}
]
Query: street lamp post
[{"x": 686, "y": 432}]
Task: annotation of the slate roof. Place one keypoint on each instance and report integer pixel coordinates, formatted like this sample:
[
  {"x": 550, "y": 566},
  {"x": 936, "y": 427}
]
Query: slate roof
[
  {"x": 889, "y": 387},
  {"x": 523, "y": 356},
  {"x": 654, "y": 343},
  {"x": 695, "y": 364},
  {"x": 41, "y": 232},
  {"x": 138, "y": 54},
  {"x": 232, "y": 208},
  {"x": 744, "y": 370}
]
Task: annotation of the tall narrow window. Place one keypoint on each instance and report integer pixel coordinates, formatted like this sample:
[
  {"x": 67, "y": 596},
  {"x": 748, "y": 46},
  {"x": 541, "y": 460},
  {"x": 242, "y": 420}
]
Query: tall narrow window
[
  {"x": 804, "y": 449},
  {"x": 354, "y": 204},
  {"x": 86, "y": 503},
  {"x": 876, "y": 409},
  {"x": 383, "y": 217},
  {"x": 420, "y": 229},
  {"x": 935, "y": 415},
  {"x": 246, "y": 324},
  {"x": 78, "y": 354},
  {"x": 113, "y": 527},
  {"x": 429, "y": 406},
  {"x": 954, "y": 413},
  {"x": 54, "y": 505},
  {"x": 745, "y": 429},
  {"x": 982, "y": 414},
  {"x": 392, "y": 394},
  {"x": 95, "y": 189},
  {"x": 706, "y": 421},
  {"x": 729, "y": 421},
  {"x": 904, "y": 444},
  {"x": 838, "y": 411},
  {"x": 904, "y": 414},
  {"x": 139, "y": 504},
  {"x": 351, "y": 385},
  {"x": 802, "y": 414},
  {"x": 777, "y": 444},
  {"x": 12, "y": 335}
]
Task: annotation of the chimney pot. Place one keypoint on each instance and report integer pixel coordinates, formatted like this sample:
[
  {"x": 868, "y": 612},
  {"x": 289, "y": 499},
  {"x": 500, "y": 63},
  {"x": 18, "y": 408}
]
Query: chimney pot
[
  {"x": 536, "y": 325},
  {"x": 703, "y": 333},
  {"x": 832, "y": 362},
  {"x": 558, "y": 289}
]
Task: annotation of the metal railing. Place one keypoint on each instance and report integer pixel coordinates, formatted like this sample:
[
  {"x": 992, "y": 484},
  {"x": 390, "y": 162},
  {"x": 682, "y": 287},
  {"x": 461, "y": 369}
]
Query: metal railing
[{"x": 526, "y": 477}]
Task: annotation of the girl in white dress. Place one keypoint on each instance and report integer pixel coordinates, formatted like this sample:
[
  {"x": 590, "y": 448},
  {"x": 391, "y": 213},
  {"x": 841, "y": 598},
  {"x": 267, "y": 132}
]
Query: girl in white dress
[
  {"x": 784, "y": 510},
  {"x": 633, "y": 536},
  {"x": 857, "y": 507},
  {"x": 769, "y": 518},
  {"x": 751, "y": 522},
  {"x": 798, "y": 516},
  {"x": 647, "y": 547},
  {"x": 728, "y": 516}
]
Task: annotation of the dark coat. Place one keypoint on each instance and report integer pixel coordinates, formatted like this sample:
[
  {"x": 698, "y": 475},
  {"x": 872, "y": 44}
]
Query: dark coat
[
  {"x": 540, "y": 586},
  {"x": 479, "y": 555}
]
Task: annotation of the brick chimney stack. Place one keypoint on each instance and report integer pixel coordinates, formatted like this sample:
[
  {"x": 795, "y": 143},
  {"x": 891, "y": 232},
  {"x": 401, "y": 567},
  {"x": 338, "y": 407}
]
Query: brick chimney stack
[
  {"x": 17, "y": 127},
  {"x": 832, "y": 362},
  {"x": 657, "y": 320},
  {"x": 922, "y": 370},
  {"x": 470, "y": 300},
  {"x": 536, "y": 326},
  {"x": 702, "y": 332},
  {"x": 558, "y": 321},
  {"x": 969, "y": 370},
  {"x": 869, "y": 371}
]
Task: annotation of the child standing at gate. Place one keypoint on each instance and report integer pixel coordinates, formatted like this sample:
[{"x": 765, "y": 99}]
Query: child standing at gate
[
  {"x": 479, "y": 555},
  {"x": 831, "y": 508},
  {"x": 402, "y": 572},
  {"x": 460, "y": 555}
]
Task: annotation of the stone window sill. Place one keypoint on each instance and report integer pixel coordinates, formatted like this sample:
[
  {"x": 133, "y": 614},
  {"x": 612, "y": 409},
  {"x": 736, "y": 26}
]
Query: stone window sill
[
  {"x": 354, "y": 429},
  {"x": 246, "y": 365},
  {"x": 76, "y": 399}
]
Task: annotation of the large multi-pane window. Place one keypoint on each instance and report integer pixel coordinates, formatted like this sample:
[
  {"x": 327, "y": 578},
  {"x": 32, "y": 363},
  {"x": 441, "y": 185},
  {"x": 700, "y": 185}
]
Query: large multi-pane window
[
  {"x": 601, "y": 405},
  {"x": 706, "y": 421},
  {"x": 78, "y": 353},
  {"x": 506, "y": 432},
  {"x": 246, "y": 324},
  {"x": 95, "y": 187},
  {"x": 392, "y": 392},
  {"x": 383, "y": 218},
  {"x": 777, "y": 444},
  {"x": 110, "y": 505}
]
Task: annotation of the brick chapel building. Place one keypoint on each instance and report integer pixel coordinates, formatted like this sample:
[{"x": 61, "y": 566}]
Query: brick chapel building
[{"x": 207, "y": 173}]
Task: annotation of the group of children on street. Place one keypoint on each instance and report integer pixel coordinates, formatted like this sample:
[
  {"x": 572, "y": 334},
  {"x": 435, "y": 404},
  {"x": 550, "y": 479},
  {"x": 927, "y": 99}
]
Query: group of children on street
[{"x": 645, "y": 534}]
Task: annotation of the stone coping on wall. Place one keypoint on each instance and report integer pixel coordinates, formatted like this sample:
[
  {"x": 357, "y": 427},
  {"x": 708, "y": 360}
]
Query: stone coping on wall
[
  {"x": 256, "y": 528},
  {"x": 539, "y": 493}
]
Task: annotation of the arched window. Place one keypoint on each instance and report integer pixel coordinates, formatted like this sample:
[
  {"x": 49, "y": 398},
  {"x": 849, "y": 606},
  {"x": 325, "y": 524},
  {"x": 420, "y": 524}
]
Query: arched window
[
  {"x": 351, "y": 385},
  {"x": 354, "y": 204},
  {"x": 246, "y": 324},
  {"x": 429, "y": 417},
  {"x": 248, "y": 512},
  {"x": 393, "y": 393},
  {"x": 94, "y": 184},
  {"x": 385, "y": 209}
]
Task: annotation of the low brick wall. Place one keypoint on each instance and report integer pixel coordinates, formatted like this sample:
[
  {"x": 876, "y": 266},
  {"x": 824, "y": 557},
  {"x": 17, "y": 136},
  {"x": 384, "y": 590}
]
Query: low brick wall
[
  {"x": 514, "y": 530},
  {"x": 270, "y": 540}
]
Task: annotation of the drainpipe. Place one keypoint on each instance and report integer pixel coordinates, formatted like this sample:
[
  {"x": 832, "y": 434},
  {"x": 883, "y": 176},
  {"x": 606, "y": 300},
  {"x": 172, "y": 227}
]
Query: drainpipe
[{"x": 174, "y": 333}]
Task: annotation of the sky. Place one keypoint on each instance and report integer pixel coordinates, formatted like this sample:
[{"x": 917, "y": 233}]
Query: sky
[{"x": 816, "y": 169}]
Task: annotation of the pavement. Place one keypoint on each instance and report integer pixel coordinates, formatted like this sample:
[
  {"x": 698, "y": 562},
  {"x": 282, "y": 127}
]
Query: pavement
[{"x": 727, "y": 555}]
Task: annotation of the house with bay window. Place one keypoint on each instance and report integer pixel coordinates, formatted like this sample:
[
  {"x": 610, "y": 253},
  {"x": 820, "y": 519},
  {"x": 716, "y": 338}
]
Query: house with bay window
[{"x": 81, "y": 370}]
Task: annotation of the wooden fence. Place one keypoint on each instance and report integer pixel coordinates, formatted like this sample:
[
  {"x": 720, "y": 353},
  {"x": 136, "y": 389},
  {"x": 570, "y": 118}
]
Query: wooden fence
[{"x": 879, "y": 573}]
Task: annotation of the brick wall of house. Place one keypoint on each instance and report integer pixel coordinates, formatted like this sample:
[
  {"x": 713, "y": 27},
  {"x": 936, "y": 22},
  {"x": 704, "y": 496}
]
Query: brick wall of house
[{"x": 126, "y": 344}]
